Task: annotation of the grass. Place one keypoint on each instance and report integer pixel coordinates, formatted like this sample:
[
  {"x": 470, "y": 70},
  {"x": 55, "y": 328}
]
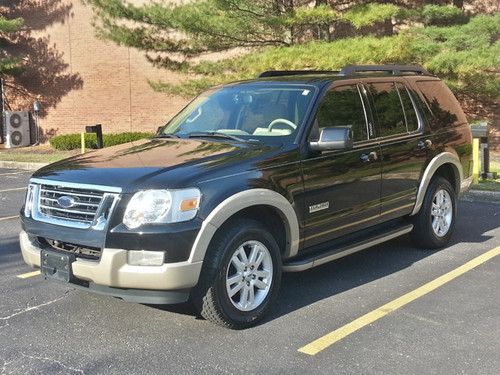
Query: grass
[
  {"x": 490, "y": 184},
  {"x": 35, "y": 154}
]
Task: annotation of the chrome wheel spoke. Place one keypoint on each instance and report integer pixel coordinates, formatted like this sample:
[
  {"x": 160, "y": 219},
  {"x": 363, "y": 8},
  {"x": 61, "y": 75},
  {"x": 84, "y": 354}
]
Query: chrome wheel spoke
[
  {"x": 236, "y": 289},
  {"x": 251, "y": 295},
  {"x": 244, "y": 297},
  {"x": 262, "y": 273},
  {"x": 259, "y": 260},
  {"x": 233, "y": 280},
  {"x": 260, "y": 284},
  {"x": 242, "y": 255},
  {"x": 254, "y": 253},
  {"x": 238, "y": 264},
  {"x": 434, "y": 209}
]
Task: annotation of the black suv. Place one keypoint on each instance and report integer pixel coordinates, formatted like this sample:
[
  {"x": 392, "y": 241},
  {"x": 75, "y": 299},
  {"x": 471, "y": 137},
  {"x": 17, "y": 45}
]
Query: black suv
[{"x": 277, "y": 174}]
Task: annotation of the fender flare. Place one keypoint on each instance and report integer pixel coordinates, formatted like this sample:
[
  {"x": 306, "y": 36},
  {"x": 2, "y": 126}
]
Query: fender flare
[
  {"x": 238, "y": 202},
  {"x": 436, "y": 162}
]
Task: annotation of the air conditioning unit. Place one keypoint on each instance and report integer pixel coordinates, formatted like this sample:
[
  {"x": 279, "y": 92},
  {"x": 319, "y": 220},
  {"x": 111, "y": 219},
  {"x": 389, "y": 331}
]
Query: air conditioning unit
[{"x": 16, "y": 129}]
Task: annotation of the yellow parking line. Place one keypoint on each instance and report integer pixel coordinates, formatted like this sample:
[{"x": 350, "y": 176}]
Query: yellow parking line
[
  {"x": 9, "y": 217},
  {"x": 331, "y": 338},
  {"x": 29, "y": 274},
  {"x": 14, "y": 189}
]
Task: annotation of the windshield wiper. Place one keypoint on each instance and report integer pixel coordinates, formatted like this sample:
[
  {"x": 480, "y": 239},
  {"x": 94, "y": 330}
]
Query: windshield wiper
[
  {"x": 214, "y": 135},
  {"x": 167, "y": 136}
]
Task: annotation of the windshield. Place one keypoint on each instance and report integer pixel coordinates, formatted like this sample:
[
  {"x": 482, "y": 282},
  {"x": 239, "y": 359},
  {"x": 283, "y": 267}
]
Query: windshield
[{"x": 246, "y": 111}]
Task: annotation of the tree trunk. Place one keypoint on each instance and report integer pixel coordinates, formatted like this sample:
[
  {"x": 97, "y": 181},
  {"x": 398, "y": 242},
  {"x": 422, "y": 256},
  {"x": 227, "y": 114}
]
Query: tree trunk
[{"x": 458, "y": 3}]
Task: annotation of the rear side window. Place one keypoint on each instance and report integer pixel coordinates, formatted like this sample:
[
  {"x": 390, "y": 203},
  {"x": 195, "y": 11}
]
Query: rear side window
[
  {"x": 408, "y": 108},
  {"x": 442, "y": 104},
  {"x": 342, "y": 107},
  {"x": 387, "y": 110}
]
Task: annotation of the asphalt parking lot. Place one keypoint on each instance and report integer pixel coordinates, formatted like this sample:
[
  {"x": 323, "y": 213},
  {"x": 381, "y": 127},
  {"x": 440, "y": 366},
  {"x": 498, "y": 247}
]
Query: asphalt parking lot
[{"x": 453, "y": 327}]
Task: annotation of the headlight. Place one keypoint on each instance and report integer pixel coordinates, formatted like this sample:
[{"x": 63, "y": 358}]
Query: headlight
[{"x": 161, "y": 206}]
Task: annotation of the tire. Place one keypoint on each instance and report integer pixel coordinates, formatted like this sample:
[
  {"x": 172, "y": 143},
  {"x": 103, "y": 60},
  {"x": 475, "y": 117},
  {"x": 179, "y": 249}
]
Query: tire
[
  {"x": 428, "y": 230},
  {"x": 211, "y": 297}
]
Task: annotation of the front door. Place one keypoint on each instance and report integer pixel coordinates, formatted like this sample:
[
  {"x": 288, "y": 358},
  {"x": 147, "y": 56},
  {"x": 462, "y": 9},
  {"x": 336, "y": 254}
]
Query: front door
[{"x": 341, "y": 188}]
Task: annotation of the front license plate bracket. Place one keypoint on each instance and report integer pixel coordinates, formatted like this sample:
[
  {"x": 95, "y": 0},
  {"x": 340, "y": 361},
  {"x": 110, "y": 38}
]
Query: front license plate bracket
[{"x": 55, "y": 265}]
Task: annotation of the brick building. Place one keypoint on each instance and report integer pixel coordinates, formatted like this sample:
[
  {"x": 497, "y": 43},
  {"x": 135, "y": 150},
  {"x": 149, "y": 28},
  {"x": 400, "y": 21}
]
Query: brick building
[{"x": 83, "y": 80}]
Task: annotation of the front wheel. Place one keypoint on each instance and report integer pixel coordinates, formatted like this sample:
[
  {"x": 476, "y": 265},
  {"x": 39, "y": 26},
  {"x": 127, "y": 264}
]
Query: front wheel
[
  {"x": 240, "y": 276},
  {"x": 434, "y": 224}
]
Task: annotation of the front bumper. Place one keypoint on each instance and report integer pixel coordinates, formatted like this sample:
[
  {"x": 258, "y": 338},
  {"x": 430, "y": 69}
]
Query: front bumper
[{"x": 112, "y": 270}]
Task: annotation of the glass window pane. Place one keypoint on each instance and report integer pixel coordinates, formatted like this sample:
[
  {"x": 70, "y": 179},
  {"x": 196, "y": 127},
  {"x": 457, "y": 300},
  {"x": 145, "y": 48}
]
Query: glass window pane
[
  {"x": 444, "y": 107},
  {"x": 387, "y": 111},
  {"x": 342, "y": 107},
  {"x": 410, "y": 114}
]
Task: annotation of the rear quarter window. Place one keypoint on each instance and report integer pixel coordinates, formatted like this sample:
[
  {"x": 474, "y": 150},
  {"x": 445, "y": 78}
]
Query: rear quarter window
[{"x": 443, "y": 108}]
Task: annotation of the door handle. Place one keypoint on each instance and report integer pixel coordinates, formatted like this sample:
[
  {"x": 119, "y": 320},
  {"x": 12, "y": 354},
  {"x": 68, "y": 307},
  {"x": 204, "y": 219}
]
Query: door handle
[
  {"x": 372, "y": 156},
  {"x": 422, "y": 145}
]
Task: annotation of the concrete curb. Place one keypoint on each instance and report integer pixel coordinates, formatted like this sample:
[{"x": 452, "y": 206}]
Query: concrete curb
[
  {"x": 482, "y": 196},
  {"x": 30, "y": 166}
]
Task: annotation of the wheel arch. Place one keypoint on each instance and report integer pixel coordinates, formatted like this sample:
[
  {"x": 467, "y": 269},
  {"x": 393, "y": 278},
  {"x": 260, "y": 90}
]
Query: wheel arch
[
  {"x": 446, "y": 165},
  {"x": 240, "y": 203}
]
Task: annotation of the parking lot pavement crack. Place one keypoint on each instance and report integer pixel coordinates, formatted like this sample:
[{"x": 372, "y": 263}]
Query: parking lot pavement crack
[
  {"x": 30, "y": 308},
  {"x": 52, "y": 360}
]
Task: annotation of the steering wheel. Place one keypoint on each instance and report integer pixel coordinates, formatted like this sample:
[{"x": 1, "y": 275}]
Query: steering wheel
[{"x": 281, "y": 121}]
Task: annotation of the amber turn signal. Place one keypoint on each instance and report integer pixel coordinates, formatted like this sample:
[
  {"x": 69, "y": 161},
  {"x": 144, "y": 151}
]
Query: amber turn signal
[{"x": 189, "y": 204}]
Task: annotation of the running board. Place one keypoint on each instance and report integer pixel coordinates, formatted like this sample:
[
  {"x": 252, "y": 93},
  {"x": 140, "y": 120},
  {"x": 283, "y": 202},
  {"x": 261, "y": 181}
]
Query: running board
[{"x": 302, "y": 264}]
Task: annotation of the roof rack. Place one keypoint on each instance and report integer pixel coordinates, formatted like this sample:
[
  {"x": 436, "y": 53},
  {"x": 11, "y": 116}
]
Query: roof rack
[
  {"x": 391, "y": 69},
  {"x": 278, "y": 73}
]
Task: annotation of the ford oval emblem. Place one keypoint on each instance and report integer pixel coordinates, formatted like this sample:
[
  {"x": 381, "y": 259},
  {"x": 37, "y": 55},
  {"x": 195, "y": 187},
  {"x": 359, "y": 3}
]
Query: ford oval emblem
[{"x": 66, "y": 201}]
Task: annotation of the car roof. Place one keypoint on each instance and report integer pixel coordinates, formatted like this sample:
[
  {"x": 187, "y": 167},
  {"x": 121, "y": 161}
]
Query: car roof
[{"x": 320, "y": 78}]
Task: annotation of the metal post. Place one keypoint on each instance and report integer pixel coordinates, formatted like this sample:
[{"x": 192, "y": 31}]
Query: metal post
[
  {"x": 475, "y": 161},
  {"x": 97, "y": 129},
  {"x": 82, "y": 141}
]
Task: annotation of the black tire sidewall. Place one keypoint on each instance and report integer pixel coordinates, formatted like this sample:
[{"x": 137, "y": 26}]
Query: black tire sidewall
[{"x": 243, "y": 233}]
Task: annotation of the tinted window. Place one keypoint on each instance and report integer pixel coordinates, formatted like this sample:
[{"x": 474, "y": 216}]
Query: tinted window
[
  {"x": 409, "y": 109},
  {"x": 387, "y": 111},
  {"x": 342, "y": 107},
  {"x": 444, "y": 107}
]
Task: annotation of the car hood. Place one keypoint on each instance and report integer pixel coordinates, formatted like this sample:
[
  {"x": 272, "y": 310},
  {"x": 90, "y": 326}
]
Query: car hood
[{"x": 159, "y": 163}]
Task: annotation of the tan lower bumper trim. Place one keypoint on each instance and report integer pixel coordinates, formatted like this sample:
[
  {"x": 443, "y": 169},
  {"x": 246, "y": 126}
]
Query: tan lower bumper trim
[{"x": 112, "y": 270}]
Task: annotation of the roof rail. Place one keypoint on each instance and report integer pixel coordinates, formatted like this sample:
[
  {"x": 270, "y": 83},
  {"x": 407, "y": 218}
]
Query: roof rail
[
  {"x": 391, "y": 69},
  {"x": 278, "y": 73}
]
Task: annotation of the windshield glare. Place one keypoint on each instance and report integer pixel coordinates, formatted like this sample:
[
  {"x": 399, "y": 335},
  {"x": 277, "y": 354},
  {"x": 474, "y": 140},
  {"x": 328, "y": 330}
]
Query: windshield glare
[{"x": 246, "y": 111}]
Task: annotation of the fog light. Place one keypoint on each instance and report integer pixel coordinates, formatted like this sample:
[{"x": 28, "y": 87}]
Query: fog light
[{"x": 145, "y": 258}]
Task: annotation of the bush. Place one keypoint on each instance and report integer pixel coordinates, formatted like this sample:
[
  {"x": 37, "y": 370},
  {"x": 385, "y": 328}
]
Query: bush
[
  {"x": 72, "y": 141},
  {"x": 442, "y": 15}
]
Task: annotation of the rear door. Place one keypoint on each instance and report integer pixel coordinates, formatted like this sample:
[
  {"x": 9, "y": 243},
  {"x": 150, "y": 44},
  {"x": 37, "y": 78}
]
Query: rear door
[
  {"x": 398, "y": 128},
  {"x": 342, "y": 187}
]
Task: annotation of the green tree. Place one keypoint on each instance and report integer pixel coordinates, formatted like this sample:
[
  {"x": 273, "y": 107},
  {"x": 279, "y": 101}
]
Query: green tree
[{"x": 9, "y": 65}]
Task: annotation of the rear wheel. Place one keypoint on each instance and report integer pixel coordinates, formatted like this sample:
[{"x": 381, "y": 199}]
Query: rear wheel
[
  {"x": 434, "y": 224},
  {"x": 240, "y": 276}
]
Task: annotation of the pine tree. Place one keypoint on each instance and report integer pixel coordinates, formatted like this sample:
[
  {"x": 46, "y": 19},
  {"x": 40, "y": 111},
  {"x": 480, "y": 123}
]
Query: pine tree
[{"x": 9, "y": 65}]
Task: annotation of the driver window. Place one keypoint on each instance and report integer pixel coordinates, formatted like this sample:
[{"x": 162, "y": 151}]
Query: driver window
[{"x": 342, "y": 106}]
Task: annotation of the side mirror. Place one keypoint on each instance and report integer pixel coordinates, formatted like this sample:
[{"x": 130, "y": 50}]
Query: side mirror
[{"x": 337, "y": 138}]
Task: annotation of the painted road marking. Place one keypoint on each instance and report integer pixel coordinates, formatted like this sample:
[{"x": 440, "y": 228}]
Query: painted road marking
[
  {"x": 29, "y": 274},
  {"x": 13, "y": 189},
  {"x": 331, "y": 338},
  {"x": 9, "y": 217}
]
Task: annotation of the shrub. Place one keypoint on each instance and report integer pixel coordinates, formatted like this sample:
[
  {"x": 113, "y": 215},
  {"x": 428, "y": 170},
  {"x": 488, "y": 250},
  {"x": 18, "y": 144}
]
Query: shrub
[
  {"x": 72, "y": 141},
  {"x": 442, "y": 15}
]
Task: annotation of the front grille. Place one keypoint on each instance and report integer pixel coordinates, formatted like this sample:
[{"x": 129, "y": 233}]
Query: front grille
[{"x": 83, "y": 207}]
